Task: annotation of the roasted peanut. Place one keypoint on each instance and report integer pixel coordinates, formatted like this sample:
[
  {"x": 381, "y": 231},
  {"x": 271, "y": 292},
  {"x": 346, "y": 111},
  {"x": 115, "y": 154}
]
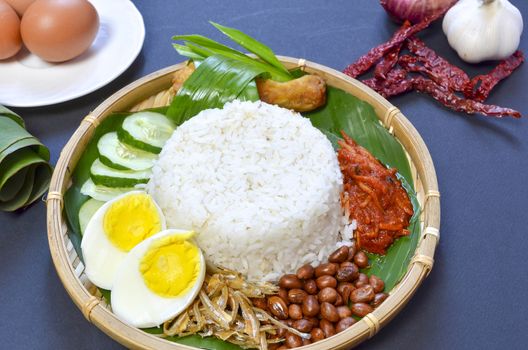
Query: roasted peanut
[
  {"x": 344, "y": 289},
  {"x": 343, "y": 311},
  {"x": 327, "y": 327},
  {"x": 305, "y": 272},
  {"x": 290, "y": 281},
  {"x": 295, "y": 311},
  {"x": 317, "y": 334},
  {"x": 293, "y": 340},
  {"x": 361, "y": 259},
  {"x": 283, "y": 293},
  {"x": 326, "y": 281},
  {"x": 261, "y": 303},
  {"x": 328, "y": 295},
  {"x": 303, "y": 325},
  {"x": 306, "y": 342},
  {"x": 310, "y": 306},
  {"x": 339, "y": 301},
  {"x": 351, "y": 251},
  {"x": 361, "y": 309},
  {"x": 281, "y": 332},
  {"x": 296, "y": 296},
  {"x": 344, "y": 323},
  {"x": 329, "y": 312},
  {"x": 377, "y": 284},
  {"x": 347, "y": 273},
  {"x": 310, "y": 287},
  {"x": 361, "y": 281},
  {"x": 347, "y": 263},
  {"x": 363, "y": 294},
  {"x": 378, "y": 299},
  {"x": 329, "y": 269},
  {"x": 274, "y": 346},
  {"x": 278, "y": 307},
  {"x": 339, "y": 255},
  {"x": 314, "y": 320}
]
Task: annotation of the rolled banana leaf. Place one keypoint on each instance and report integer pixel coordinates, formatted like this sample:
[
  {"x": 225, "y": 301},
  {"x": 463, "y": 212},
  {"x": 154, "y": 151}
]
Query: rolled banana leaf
[{"x": 25, "y": 171}]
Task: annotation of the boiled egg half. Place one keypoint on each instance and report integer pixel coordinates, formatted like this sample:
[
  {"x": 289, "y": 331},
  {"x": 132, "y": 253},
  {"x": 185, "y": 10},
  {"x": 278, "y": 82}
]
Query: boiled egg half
[
  {"x": 158, "y": 279},
  {"x": 115, "y": 228}
]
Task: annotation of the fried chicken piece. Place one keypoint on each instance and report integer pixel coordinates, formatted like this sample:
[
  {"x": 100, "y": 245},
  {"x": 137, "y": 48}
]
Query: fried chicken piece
[{"x": 302, "y": 95}]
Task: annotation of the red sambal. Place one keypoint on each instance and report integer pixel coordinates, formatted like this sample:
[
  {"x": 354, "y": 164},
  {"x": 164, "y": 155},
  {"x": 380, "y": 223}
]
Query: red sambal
[{"x": 374, "y": 197}]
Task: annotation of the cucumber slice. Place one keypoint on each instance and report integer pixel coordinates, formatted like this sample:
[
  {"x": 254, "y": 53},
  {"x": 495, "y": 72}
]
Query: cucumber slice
[
  {"x": 121, "y": 156},
  {"x": 146, "y": 130},
  {"x": 86, "y": 212},
  {"x": 106, "y": 176},
  {"x": 102, "y": 193}
]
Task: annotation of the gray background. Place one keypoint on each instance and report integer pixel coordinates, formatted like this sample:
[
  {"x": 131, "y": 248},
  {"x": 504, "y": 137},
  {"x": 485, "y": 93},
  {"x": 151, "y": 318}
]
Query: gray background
[{"x": 475, "y": 298}]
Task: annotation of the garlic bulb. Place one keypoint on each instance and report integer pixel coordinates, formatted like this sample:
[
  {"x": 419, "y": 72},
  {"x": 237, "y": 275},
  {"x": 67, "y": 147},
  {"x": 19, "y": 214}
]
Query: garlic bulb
[{"x": 481, "y": 30}]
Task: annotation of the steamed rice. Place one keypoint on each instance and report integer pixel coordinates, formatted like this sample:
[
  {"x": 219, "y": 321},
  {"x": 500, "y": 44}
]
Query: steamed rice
[{"x": 258, "y": 183}]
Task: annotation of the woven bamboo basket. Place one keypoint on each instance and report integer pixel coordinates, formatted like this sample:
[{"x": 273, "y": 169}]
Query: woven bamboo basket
[{"x": 154, "y": 90}]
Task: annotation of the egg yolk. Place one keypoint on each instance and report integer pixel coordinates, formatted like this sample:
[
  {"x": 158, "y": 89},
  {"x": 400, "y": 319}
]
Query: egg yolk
[
  {"x": 131, "y": 220},
  {"x": 171, "y": 266}
]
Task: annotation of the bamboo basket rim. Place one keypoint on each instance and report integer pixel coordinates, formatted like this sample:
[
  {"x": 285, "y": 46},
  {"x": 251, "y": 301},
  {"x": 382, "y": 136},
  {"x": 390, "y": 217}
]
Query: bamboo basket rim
[{"x": 64, "y": 256}]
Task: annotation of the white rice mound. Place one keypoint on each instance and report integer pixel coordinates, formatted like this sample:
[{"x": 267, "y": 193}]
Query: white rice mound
[{"x": 259, "y": 185}]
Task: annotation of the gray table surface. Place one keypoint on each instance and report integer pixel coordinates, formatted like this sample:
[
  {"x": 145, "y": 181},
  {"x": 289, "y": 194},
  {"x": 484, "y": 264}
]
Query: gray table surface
[{"x": 475, "y": 296}]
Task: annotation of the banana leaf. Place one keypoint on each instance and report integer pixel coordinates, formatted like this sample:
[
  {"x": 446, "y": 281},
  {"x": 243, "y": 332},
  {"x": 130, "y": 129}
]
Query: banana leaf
[
  {"x": 25, "y": 171},
  {"x": 344, "y": 112},
  {"x": 217, "y": 80}
]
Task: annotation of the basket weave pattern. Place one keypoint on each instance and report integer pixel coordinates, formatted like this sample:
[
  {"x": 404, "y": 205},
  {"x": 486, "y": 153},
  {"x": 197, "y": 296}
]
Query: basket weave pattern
[{"x": 155, "y": 90}]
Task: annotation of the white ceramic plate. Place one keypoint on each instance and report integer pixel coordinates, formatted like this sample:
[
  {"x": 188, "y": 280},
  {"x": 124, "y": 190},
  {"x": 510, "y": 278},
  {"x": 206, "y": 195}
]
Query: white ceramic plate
[{"x": 28, "y": 81}]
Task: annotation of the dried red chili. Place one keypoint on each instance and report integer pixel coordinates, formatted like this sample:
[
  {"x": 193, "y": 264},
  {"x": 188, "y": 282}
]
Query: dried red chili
[
  {"x": 373, "y": 196},
  {"x": 442, "y": 79},
  {"x": 451, "y": 100},
  {"x": 366, "y": 61},
  {"x": 410, "y": 64},
  {"x": 450, "y": 75},
  {"x": 395, "y": 84},
  {"x": 389, "y": 61},
  {"x": 481, "y": 85}
]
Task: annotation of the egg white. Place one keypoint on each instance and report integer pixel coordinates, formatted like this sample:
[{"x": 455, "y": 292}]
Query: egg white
[
  {"x": 101, "y": 257},
  {"x": 134, "y": 303}
]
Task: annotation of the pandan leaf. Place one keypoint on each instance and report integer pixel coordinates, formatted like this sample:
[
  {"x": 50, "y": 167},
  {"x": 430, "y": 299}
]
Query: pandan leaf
[
  {"x": 216, "y": 81},
  {"x": 199, "y": 48},
  {"x": 262, "y": 51}
]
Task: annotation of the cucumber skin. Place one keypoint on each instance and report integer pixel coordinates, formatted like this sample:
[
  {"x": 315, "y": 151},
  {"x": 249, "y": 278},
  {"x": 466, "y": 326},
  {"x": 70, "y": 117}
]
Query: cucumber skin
[
  {"x": 124, "y": 137},
  {"x": 83, "y": 213},
  {"x": 111, "y": 164},
  {"x": 114, "y": 182}
]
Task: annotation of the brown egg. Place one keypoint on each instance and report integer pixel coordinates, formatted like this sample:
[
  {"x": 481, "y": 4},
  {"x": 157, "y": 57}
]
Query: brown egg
[
  {"x": 10, "y": 42},
  {"x": 20, "y": 6},
  {"x": 59, "y": 30}
]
